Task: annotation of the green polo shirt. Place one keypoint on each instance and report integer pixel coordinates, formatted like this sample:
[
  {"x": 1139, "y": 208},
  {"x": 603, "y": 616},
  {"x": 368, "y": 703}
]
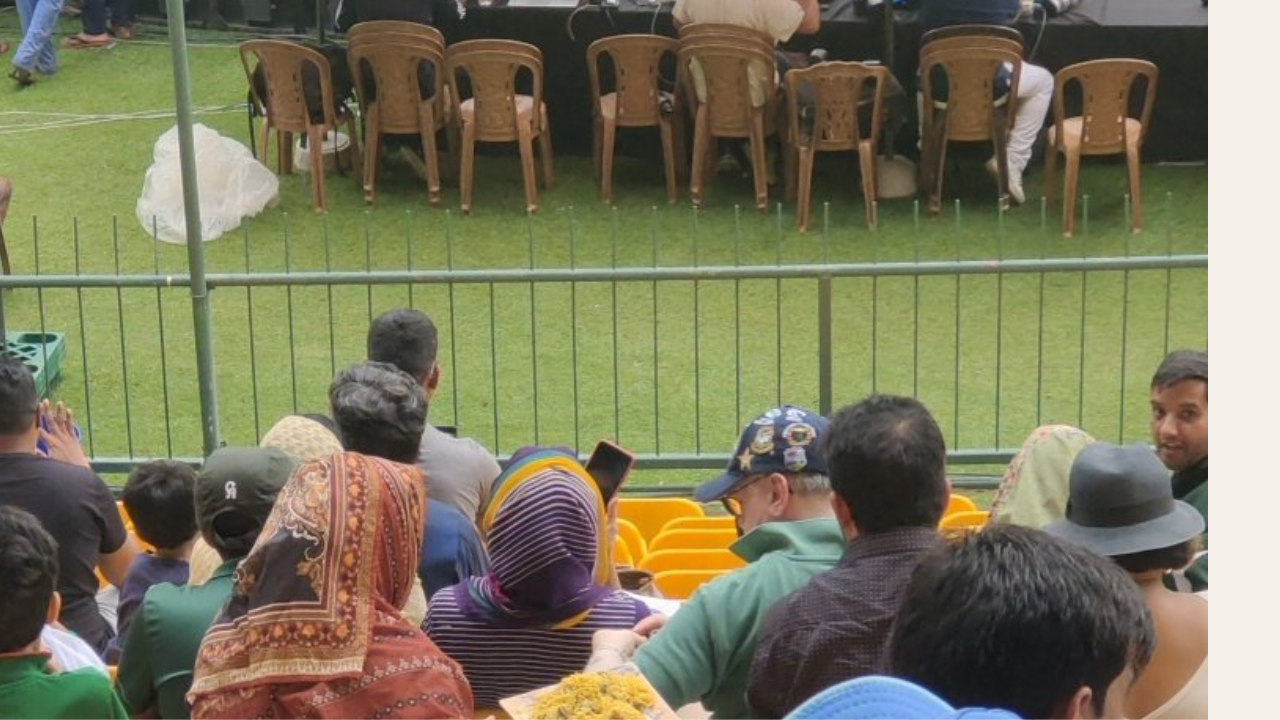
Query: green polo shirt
[
  {"x": 1192, "y": 487},
  {"x": 27, "y": 690},
  {"x": 704, "y": 652},
  {"x": 159, "y": 654}
]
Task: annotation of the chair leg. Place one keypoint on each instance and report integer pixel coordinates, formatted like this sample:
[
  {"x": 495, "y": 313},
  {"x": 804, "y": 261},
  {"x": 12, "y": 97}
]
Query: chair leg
[
  {"x": 1135, "y": 186},
  {"x": 669, "y": 158},
  {"x": 939, "y": 171},
  {"x": 804, "y": 193},
  {"x": 700, "y": 150},
  {"x": 529, "y": 171},
  {"x": 608, "y": 135},
  {"x": 431, "y": 151},
  {"x": 266, "y": 137},
  {"x": 315, "y": 147},
  {"x": 4, "y": 255},
  {"x": 468, "y": 160},
  {"x": 356, "y": 155},
  {"x": 284, "y": 153},
  {"x": 867, "y": 160},
  {"x": 453, "y": 136},
  {"x": 1070, "y": 189},
  {"x": 1051, "y": 173},
  {"x": 596, "y": 130},
  {"x": 1000, "y": 144},
  {"x": 790, "y": 159},
  {"x": 759, "y": 165},
  {"x": 678, "y": 137},
  {"x": 548, "y": 161},
  {"x": 371, "y": 163}
]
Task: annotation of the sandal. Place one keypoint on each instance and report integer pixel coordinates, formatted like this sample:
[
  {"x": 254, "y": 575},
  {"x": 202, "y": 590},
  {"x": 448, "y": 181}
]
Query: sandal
[
  {"x": 80, "y": 41},
  {"x": 122, "y": 32},
  {"x": 24, "y": 78}
]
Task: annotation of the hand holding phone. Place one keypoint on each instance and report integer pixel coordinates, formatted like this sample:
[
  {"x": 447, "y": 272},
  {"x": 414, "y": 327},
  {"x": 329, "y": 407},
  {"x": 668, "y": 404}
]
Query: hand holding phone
[{"x": 609, "y": 466}]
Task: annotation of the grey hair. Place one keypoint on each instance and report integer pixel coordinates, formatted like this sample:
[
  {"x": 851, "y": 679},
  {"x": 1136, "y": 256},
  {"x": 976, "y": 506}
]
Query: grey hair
[{"x": 809, "y": 482}]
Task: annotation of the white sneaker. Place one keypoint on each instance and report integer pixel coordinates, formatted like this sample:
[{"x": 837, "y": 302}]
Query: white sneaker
[{"x": 1015, "y": 182}]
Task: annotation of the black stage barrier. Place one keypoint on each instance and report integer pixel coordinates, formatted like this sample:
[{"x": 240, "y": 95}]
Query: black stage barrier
[{"x": 1174, "y": 34}]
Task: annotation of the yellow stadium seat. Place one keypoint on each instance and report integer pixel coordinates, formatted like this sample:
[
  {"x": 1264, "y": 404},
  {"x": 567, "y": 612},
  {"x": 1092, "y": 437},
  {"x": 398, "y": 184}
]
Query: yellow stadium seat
[
  {"x": 128, "y": 525},
  {"x": 680, "y": 584},
  {"x": 651, "y": 514},
  {"x": 694, "y": 540},
  {"x": 964, "y": 520},
  {"x": 124, "y": 515},
  {"x": 628, "y": 531},
  {"x": 622, "y": 553},
  {"x": 662, "y": 560},
  {"x": 959, "y": 503},
  {"x": 709, "y": 522}
]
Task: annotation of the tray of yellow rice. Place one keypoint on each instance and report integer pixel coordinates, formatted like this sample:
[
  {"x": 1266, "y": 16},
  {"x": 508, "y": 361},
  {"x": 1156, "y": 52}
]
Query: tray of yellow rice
[{"x": 618, "y": 694}]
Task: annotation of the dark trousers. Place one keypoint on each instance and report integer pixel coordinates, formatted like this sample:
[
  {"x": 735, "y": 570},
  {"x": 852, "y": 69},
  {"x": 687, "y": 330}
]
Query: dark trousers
[{"x": 93, "y": 15}]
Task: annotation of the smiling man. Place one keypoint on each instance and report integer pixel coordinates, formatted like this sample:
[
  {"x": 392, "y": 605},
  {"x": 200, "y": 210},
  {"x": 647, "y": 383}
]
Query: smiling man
[{"x": 1180, "y": 430}]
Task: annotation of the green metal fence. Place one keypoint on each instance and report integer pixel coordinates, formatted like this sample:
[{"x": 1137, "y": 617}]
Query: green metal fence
[{"x": 668, "y": 359}]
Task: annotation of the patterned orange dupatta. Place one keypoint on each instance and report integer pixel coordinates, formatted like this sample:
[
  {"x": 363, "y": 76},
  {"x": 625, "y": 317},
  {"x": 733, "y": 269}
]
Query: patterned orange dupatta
[{"x": 312, "y": 629}]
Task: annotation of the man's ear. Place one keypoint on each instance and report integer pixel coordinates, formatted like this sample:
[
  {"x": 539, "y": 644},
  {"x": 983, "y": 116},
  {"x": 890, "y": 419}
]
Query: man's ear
[
  {"x": 844, "y": 516},
  {"x": 55, "y": 608},
  {"x": 433, "y": 379},
  {"x": 1080, "y": 705},
  {"x": 779, "y": 494}
]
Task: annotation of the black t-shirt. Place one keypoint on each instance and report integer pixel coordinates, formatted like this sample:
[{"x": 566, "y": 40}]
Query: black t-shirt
[{"x": 77, "y": 509}]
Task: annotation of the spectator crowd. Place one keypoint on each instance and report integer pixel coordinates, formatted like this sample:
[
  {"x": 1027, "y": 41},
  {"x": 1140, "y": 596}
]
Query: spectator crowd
[{"x": 363, "y": 563}]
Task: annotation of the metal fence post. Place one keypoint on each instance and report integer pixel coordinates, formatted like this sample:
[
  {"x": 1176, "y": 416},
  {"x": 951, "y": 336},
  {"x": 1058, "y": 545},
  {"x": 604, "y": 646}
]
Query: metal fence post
[
  {"x": 203, "y": 322},
  {"x": 825, "y": 346}
]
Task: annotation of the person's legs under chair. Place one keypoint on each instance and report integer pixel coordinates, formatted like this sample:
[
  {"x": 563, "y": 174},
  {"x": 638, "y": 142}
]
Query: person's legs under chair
[{"x": 1035, "y": 93}]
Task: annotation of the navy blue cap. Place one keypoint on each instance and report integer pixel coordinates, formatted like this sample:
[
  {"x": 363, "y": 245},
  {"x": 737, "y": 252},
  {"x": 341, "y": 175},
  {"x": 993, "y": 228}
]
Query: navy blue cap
[
  {"x": 782, "y": 440},
  {"x": 886, "y": 698}
]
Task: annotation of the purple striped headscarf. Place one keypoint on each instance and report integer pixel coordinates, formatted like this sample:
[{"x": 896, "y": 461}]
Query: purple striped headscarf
[{"x": 546, "y": 530}]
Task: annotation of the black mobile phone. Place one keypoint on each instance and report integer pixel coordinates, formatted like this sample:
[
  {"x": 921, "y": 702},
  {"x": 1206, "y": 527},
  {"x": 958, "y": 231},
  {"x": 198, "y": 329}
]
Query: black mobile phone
[{"x": 609, "y": 466}]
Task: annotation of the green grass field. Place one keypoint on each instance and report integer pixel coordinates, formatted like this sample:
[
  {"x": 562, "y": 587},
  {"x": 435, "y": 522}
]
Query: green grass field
[{"x": 666, "y": 367}]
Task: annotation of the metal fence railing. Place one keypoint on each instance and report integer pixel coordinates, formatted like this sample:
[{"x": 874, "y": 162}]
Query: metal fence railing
[{"x": 667, "y": 360}]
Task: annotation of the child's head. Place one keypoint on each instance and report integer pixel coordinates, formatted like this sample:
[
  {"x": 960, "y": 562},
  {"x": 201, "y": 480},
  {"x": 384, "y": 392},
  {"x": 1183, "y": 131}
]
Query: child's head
[
  {"x": 160, "y": 499},
  {"x": 28, "y": 575}
]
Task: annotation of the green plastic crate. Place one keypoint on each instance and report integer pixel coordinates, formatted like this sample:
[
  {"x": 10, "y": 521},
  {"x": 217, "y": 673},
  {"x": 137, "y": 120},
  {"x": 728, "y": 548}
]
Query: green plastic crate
[{"x": 44, "y": 353}]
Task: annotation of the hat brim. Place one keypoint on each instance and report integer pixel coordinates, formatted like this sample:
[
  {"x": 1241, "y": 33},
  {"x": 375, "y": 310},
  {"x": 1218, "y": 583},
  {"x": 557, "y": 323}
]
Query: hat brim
[
  {"x": 718, "y": 488},
  {"x": 1179, "y": 526}
]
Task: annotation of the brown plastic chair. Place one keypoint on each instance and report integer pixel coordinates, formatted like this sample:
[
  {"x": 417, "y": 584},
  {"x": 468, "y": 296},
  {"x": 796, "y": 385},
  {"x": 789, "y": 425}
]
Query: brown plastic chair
[
  {"x": 635, "y": 102},
  {"x": 379, "y": 27},
  {"x": 284, "y": 65},
  {"x": 395, "y": 104},
  {"x": 495, "y": 112},
  {"x": 839, "y": 89},
  {"x": 987, "y": 32},
  {"x": 973, "y": 111},
  {"x": 727, "y": 110},
  {"x": 699, "y": 31},
  {"x": 1102, "y": 128}
]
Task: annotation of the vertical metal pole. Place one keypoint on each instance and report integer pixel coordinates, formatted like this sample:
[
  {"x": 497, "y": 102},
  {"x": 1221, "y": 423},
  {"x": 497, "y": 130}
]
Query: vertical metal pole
[
  {"x": 200, "y": 310},
  {"x": 825, "y": 345}
]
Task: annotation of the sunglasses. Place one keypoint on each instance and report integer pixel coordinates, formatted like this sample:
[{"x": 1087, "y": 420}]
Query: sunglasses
[{"x": 733, "y": 505}]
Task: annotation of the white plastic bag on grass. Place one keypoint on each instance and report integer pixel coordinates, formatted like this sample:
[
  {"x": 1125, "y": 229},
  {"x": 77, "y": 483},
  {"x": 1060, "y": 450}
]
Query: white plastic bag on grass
[{"x": 233, "y": 186}]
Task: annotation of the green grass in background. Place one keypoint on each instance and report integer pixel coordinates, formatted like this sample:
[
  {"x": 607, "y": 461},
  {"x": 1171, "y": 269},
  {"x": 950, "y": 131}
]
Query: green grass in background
[{"x": 1067, "y": 349}]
